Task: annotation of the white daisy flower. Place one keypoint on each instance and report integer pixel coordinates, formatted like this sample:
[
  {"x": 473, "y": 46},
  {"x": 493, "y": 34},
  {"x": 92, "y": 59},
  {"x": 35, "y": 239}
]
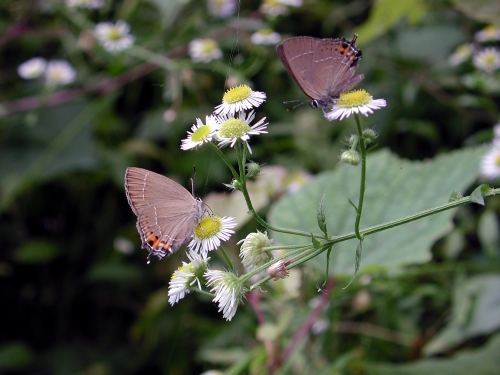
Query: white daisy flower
[
  {"x": 209, "y": 232},
  {"x": 89, "y": 4},
  {"x": 462, "y": 53},
  {"x": 114, "y": 37},
  {"x": 265, "y": 37},
  {"x": 358, "y": 101},
  {"x": 253, "y": 253},
  {"x": 186, "y": 276},
  {"x": 488, "y": 60},
  {"x": 275, "y": 8},
  {"x": 229, "y": 291},
  {"x": 204, "y": 50},
  {"x": 200, "y": 133},
  {"x": 59, "y": 72},
  {"x": 490, "y": 164},
  {"x": 222, "y": 8},
  {"x": 239, "y": 98},
  {"x": 488, "y": 34},
  {"x": 231, "y": 129},
  {"x": 33, "y": 68}
]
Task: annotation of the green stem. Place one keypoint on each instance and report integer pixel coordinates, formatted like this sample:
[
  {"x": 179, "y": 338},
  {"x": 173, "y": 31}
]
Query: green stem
[
  {"x": 241, "y": 155},
  {"x": 362, "y": 186},
  {"x": 228, "y": 261},
  {"x": 225, "y": 160},
  {"x": 154, "y": 58},
  {"x": 417, "y": 216}
]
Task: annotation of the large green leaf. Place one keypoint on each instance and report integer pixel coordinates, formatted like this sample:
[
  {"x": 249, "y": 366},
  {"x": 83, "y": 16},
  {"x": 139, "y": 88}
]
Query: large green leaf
[
  {"x": 475, "y": 312},
  {"x": 395, "y": 188},
  {"x": 482, "y": 361},
  {"x": 59, "y": 140},
  {"x": 480, "y": 10}
]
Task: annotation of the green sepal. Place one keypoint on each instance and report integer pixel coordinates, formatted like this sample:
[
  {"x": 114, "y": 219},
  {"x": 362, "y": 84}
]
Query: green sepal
[{"x": 321, "y": 215}]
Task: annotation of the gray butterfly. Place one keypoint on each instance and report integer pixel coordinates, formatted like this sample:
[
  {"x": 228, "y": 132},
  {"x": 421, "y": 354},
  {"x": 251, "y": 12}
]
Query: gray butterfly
[
  {"x": 322, "y": 68},
  {"x": 166, "y": 212}
]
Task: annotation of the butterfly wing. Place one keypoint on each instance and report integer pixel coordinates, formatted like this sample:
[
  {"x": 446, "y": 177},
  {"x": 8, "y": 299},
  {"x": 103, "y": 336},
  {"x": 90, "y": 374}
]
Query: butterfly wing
[
  {"x": 297, "y": 55},
  {"x": 322, "y": 68},
  {"x": 166, "y": 211},
  {"x": 335, "y": 62}
]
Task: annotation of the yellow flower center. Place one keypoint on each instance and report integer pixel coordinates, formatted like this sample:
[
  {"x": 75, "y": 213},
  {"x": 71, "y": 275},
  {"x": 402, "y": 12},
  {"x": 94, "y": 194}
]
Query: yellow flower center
[
  {"x": 354, "y": 99},
  {"x": 490, "y": 31},
  {"x": 266, "y": 31},
  {"x": 208, "y": 227},
  {"x": 237, "y": 94},
  {"x": 208, "y": 45},
  {"x": 497, "y": 160},
  {"x": 201, "y": 133},
  {"x": 233, "y": 128},
  {"x": 114, "y": 34}
]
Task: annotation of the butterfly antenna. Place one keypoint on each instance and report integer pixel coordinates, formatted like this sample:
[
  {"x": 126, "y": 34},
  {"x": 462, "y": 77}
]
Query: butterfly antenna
[
  {"x": 294, "y": 101},
  {"x": 193, "y": 180}
]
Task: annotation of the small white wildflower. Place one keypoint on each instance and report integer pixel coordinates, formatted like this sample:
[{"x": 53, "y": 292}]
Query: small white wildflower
[
  {"x": 222, "y": 8},
  {"x": 488, "y": 59},
  {"x": 210, "y": 231},
  {"x": 89, "y": 4},
  {"x": 200, "y": 133},
  {"x": 490, "y": 164},
  {"x": 33, "y": 68},
  {"x": 229, "y": 291},
  {"x": 186, "y": 276},
  {"x": 239, "y": 98},
  {"x": 265, "y": 37},
  {"x": 253, "y": 253},
  {"x": 488, "y": 34},
  {"x": 462, "y": 53},
  {"x": 275, "y": 8},
  {"x": 231, "y": 129},
  {"x": 204, "y": 50},
  {"x": 358, "y": 101},
  {"x": 114, "y": 37},
  {"x": 59, "y": 72}
]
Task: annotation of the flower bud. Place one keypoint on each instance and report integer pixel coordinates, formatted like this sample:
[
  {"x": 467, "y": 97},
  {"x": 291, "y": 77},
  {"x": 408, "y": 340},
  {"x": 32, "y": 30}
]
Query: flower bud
[
  {"x": 253, "y": 169},
  {"x": 278, "y": 270},
  {"x": 350, "y": 157}
]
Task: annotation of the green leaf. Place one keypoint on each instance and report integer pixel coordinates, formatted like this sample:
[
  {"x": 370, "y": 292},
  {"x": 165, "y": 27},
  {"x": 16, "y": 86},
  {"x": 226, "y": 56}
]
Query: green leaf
[
  {"x": 315, "y": 242},
  {"x": 487, "y": 230},
  {"x": 117, "y": 273},
  {"x": 455, "y": 196},
  {"x": 386, "y": 13},
  {"x": 487, "y": 11},
  {"x": 36, "y": 252},
  {"x": 321, "y": 215},
  {"x": 60, "y": 142},
  {"x": 395, "y": 188},
  {"x": 484, "y": 360},
  {"x": 474, "y": 312},
  {"x": 477, "y": 195},
  {"x": 357, "y": 262},
  {"x": 15, "y": 356}
]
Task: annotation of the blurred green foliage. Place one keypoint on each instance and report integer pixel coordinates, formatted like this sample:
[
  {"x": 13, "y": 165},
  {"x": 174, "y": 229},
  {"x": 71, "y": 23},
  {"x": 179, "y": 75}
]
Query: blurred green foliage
[{"x": 77, "y": 295}]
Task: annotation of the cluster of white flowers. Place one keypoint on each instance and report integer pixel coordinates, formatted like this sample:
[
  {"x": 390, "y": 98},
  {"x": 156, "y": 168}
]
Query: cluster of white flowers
[
  {"x": 55, "y": 72},
  {"x": 484, "y": 58},
  {"x": 229, "y": 123},
  {"x": 490, "y": 164}
]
